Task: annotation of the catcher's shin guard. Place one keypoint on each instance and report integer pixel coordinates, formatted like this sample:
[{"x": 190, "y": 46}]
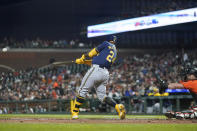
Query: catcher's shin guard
[
  {"x": 121, "y": 111},
  {"x": 191, "y": 113},
  {"x": 194, "y": 108},
  {"x": 181, "y": 115},
  {"x": 75, "y": 110},
  {"x": 194, "y": 114},
  {"x": 188, "y": 114},
  {"x": 178, "y": 115}
]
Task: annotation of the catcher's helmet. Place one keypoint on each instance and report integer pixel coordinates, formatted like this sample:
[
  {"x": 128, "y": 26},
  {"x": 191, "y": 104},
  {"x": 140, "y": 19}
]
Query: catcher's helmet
[
  {"x": 193, "y": 71},
  {"x": 112, "y": 38},
  {"x": 190, "y": 71}
]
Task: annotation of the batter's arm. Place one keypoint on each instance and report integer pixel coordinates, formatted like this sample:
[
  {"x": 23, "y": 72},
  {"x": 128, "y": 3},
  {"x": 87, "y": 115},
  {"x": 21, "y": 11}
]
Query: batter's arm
[
  {"x": 96, "y": 50},
  {"x": 92, "y": 53}
]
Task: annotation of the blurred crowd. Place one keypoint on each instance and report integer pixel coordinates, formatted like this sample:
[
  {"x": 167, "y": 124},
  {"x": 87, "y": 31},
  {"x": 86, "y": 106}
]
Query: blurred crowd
[
  {"x": 131, "y": 76},
  {"x": 41, "y": 43}
]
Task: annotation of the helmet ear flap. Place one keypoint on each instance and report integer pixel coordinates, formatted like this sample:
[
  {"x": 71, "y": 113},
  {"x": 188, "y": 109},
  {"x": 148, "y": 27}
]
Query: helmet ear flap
[{"x": 114, "y": 39}]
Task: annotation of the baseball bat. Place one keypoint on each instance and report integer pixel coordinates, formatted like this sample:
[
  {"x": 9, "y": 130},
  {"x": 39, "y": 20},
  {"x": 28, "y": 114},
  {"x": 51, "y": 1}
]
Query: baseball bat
[
  {"x": 56, "y": 64},
  {"x": 60, "y": 63}
]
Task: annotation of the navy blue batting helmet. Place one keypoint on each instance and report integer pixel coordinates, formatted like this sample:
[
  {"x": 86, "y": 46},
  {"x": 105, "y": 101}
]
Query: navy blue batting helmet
[{"x": 112, "y": 38}]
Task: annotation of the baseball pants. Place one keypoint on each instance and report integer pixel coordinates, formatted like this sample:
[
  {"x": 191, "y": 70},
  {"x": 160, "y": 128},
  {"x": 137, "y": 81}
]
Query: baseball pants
[{"x": 96, "y": 77}]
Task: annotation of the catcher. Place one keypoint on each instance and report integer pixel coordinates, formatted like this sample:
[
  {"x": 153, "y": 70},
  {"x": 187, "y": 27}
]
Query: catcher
[
  {"x": 190, "y": 83},
  {"x": 100, "y": 59}
]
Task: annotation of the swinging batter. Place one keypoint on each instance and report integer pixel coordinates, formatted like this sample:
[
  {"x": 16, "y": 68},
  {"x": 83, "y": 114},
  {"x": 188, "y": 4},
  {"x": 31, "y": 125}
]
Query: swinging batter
[{"x": 101, "y": 59}]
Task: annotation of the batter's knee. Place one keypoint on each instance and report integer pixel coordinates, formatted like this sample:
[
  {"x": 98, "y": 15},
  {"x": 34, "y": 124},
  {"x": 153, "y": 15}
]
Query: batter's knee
[{"x": 83, "y": 91}]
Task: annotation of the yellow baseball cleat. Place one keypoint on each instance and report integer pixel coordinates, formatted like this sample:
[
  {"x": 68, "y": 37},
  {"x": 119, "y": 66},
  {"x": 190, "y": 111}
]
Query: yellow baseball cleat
[
  {"x": 75, "y": 115},
  {"x": 121, "y": 111}
]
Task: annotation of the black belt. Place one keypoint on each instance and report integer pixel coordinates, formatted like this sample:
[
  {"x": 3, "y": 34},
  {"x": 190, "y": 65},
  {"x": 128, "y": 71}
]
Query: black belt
[{"x": 102, "y": 67}]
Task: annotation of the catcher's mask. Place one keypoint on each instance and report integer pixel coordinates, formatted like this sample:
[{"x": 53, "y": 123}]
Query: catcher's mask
[{"x": 189, "y": 71}]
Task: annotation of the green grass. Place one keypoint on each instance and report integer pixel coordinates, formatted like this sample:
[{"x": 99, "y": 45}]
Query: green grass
[
  {"x": 91, "y": 127},
  {"x": 62, "y": 116},
  {"x": 96, "y": 127}
]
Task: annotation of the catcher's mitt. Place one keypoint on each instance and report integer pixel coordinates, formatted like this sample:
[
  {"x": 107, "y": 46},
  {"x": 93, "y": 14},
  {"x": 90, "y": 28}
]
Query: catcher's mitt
[{"x": 162, "y": 85}]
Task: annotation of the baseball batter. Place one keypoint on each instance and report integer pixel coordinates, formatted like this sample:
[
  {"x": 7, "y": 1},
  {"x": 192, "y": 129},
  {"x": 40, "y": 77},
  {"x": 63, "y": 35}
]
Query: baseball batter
[{"x": 101, "y": 59}]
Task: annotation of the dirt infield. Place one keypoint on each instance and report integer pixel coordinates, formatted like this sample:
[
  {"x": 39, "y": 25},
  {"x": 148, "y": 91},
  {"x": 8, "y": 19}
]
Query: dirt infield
[{"x": 100, "y": 121}]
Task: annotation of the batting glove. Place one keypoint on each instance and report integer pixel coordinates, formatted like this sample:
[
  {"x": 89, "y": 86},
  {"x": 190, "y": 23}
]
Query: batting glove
[{"x": 80, "y": 60}]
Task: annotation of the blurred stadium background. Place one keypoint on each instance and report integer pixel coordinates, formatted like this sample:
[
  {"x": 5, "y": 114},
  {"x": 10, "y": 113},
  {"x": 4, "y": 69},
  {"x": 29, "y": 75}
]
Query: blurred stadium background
[{"x": 34, "y": 33}]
